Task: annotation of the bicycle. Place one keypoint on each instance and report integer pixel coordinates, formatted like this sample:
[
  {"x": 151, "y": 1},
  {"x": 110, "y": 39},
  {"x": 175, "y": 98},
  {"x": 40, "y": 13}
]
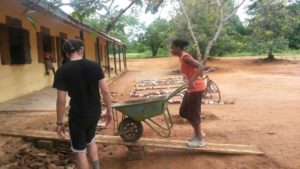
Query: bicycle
[{"x": 212, "y": 91}]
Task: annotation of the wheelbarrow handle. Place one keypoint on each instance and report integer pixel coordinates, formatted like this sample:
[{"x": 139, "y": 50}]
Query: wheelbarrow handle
[{"x": 176, "y": 92}]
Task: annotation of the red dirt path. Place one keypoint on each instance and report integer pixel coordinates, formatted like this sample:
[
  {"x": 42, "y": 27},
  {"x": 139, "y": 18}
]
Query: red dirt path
[{"x": 266, "y": 113}]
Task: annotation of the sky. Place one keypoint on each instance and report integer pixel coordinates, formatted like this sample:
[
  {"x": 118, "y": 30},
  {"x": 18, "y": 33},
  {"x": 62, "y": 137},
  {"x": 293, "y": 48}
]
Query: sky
[
  {"x": 166, "y": 11},
  {"x": 242, "y": 11}
]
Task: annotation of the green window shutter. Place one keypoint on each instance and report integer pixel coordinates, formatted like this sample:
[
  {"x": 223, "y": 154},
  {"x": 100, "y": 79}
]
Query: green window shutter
[
  {"x": 40, "y": 47},
  {"x": 4, "y": 45},
  {"x": 26, "y": 45}
]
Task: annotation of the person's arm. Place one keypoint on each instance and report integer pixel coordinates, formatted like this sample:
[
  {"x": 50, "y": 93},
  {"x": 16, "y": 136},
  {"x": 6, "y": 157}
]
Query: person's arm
[
  {"x": 60, "y": 110},
  {"x": 200, "y": 68},
  {"x": 107, "y": 100}
]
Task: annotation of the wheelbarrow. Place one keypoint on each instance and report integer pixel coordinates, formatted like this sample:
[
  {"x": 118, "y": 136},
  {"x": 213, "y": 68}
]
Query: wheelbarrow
[{"x": 135, "y": 112}]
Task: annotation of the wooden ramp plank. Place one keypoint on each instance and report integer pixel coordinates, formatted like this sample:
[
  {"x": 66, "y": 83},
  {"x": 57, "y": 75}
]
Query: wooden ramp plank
[{"x": 145, "y": 142}]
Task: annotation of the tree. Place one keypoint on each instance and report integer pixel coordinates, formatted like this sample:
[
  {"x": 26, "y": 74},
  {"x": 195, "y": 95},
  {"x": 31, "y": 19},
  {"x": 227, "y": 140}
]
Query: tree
[
  {"x": 233, "y": 38},
  {"x": 198, "y": 52},
  {"x": 270, "y": 24},
  {"x": 224, "y": 18},
  {"x": 156, "y": 35},
  {"x": 119, "y": 28},
  {"x": 294, "y": 36},
  {"x": 225, "y": 14},
  {"x": 102, "y": 9},
  {"x": 209, "y": 27},
  {"x": 108, "y": 10}
]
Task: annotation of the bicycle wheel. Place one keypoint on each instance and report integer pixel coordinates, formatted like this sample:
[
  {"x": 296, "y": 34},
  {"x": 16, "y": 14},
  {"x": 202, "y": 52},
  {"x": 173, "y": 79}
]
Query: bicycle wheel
[{"x": 213, "y": 92}]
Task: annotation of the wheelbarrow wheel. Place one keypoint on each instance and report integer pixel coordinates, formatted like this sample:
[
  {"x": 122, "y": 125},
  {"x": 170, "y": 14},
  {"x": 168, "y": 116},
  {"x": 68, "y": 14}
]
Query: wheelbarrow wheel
[{"x": 130, "y": 130}]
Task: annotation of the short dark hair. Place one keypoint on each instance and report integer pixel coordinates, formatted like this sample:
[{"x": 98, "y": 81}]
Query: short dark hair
[
  {"x": 72, "y": 45},
  {"x": 180, "y": 43}
]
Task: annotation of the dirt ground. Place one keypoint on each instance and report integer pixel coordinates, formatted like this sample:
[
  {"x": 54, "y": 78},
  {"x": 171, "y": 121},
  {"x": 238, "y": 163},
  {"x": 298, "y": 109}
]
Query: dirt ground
[{"x": 266, "y": 113}]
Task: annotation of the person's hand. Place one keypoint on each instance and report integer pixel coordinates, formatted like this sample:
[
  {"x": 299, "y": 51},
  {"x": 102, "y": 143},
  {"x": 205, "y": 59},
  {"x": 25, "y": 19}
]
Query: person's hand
[
  {"x": 108, "y": 117},
  {"x": 60, "y": 130},
  {"x": 190, "y": 84}
]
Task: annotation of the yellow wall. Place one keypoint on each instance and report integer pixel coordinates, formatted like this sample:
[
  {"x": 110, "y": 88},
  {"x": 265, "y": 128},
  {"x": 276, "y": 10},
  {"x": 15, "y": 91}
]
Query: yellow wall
[
  {"x": 18, "y": 80},
  {"x": 89, "y": 44},
  {"x": 103, "y": 58}
]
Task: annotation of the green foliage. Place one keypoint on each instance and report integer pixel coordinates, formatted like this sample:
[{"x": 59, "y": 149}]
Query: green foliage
[
  {"x": 83, "y": 11},
  {"x": 147, "y": 54},
  {"x": 294, "y": 36},
  {"x": 274, "y": 26},
  {"x": 289, "y": 53},
  {"x": 156, "y": 36},
  {"x": 269, "y": 26},
  {"x": 136, "y": 47},
  {"x": 205, "y": 21},
  {"x": 119, "y": 32},
  {"x": 110, "y": 12}
]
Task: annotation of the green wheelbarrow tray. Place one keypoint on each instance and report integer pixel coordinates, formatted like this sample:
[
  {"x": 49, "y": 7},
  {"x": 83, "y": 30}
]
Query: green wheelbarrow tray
[
  {"x": 142, "y": 109},
  {"x": 135, "y": 111}
]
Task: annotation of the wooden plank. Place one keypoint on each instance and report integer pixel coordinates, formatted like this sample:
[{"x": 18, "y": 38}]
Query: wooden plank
[{"x": 145, "y": 142}]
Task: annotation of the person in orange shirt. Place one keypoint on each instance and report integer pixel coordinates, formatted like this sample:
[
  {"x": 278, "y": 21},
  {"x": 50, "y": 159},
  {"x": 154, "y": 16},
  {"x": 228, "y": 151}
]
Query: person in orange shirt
[{"x": 190, "y": 108}]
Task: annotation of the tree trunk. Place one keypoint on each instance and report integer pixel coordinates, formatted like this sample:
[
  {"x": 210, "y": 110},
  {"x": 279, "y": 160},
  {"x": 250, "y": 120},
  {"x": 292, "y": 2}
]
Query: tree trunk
[
  {"x": 154, "y": 50},
  {"x": 270, "y": 55},
  {"x": 199, "y": 55},
  {"x": 211, "y": 43},
  {"x": 223, "y": 21},
  {"x": 155, "y": 53}
]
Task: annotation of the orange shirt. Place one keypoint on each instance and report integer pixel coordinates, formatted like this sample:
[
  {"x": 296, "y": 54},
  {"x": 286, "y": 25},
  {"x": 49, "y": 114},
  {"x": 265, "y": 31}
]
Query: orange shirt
[{"x": 188, "y": 71}]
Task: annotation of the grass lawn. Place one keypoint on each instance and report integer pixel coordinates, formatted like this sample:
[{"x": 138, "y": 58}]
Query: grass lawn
[
  {"x": 287, "y": 53},
  {"x": 147, "y": 54}
]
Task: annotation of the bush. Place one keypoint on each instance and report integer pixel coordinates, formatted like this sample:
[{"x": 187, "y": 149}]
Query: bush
[{"x": 148, "y": 54}]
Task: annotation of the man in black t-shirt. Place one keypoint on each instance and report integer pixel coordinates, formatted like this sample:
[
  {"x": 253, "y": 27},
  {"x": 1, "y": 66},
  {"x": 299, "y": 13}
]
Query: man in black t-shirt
[{"x": 81, "y": 79}]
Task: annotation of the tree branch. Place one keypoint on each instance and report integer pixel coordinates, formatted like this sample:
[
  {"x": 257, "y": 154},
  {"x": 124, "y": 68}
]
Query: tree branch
[
  {"x": 217, "y": 34},
  {"x": 223, "y": 21},
  {"x": 109, "y": 8},
  {"x": 234, "y": 11},
  {"x": 199, "y": 56},
  {"x": 155, "y": 8},
  {"x": 113, "y": 22}
]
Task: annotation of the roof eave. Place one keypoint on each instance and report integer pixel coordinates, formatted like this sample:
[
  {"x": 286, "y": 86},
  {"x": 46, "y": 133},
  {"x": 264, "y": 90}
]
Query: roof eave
[{"x": 58, "y": 13}]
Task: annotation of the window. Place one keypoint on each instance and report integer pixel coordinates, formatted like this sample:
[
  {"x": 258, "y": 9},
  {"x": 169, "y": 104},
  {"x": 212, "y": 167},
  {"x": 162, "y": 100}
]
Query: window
[
  {"x": 14, "y": 43},
  {"x": 46, "y": 43}
]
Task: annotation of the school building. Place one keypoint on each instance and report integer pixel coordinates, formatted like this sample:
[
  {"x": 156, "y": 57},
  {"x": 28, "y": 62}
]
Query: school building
[{"x": 28, "y": 28}]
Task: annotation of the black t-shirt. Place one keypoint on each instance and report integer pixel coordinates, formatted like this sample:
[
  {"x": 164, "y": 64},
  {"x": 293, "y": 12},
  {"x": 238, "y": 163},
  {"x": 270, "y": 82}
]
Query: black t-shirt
[{"x": 80, "y": 78}]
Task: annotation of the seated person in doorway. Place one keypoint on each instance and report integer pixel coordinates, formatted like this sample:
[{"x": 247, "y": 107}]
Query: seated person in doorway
[{"x": 48, "y": 61}]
